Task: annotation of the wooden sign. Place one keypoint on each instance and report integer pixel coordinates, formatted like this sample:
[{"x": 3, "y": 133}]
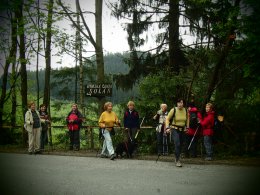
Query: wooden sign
[{"x": 98, "y": 89}]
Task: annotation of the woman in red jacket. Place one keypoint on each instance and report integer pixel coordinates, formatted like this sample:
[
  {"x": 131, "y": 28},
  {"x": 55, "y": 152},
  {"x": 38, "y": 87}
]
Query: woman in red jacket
[{"x": 207, "y": 124}]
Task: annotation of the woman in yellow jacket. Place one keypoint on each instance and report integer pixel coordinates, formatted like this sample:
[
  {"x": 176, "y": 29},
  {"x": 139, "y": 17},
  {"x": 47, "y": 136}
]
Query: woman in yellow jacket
[
  {"x": 179, "y": 118},
  {"x": 106, "y": 122}
]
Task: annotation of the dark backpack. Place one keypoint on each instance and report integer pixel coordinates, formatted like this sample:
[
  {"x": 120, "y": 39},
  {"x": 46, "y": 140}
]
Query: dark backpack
[
  {"x": 193, "y": 120},
  {"x": 218, "y": 122}
]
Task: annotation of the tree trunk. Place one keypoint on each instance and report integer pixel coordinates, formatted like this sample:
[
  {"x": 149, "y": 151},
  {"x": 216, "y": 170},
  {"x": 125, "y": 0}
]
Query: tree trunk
[
  {"x": 225, "y": 51},
  {"x": 14, "y": 76},
  {"x": 3, "y": 94},
  {"x": 10, "y": 59},
  {"x": 174, "y": 48},
  {"x": 76, "y": 70},
  {"x": 79, "y": 51},
  {"x": 99, "y": 48},
  {"x": 46, "y": 97},
  {"x": 23, "y": 72},
  {"x": 37, "y": 58}
]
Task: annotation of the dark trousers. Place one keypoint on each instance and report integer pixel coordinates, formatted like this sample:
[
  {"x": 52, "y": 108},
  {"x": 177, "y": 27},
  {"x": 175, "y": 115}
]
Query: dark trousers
[
  {"x": 208, "y": 145},
  {"x": 193, "y": 147},
  {"x": 177, "y": 137},
  {"x": 130, "y": 134},
  {"x": 44, "y": 137},
  {"x": 74, "y": 139},
  {"x": 162, "y": 143}
]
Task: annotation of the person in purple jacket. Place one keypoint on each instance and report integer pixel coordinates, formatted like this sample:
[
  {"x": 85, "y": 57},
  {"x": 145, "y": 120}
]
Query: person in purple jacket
[{"x": 131, "y": 121}]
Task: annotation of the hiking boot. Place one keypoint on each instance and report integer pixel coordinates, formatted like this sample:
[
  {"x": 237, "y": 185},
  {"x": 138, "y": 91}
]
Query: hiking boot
[
  {"x": 103, "y": 156},
  {"x": 208, "y": 159},
  {"x": 178, "y": 163},
  {"x": 38, "y": 152},
  {"x": 112, "y": 157}
]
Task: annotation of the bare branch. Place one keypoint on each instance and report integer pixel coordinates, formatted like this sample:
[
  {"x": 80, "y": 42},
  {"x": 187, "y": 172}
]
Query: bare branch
[
  {"x": 91, "y": 39},
  {"x": 74, "y": 23}
]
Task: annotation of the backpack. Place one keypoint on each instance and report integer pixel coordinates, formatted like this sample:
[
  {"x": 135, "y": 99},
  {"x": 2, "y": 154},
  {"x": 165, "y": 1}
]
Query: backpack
[
  {"x": 193, "y": 120},
  {"x": 218, "y": 122},
  {"x": 73, "y": 126}
]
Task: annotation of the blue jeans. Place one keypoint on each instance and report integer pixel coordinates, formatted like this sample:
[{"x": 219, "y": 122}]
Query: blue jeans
[
  {"x": 177, "y": 137},
  {"x": 208, "y": 145},
  {"x": 108, "y": 148}
]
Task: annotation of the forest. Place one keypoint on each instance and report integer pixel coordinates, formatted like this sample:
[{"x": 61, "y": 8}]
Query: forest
[{"x": 219, "y": 64}]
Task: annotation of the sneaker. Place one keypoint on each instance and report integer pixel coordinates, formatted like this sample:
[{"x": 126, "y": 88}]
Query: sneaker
[
  {"x": 112, "y": 157},
  {"x": 208, "y": 158},
  {"x": 178, "y": 164}
]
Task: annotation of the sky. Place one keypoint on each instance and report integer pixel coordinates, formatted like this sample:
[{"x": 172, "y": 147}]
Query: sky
[{"x": 114, "y": 35}]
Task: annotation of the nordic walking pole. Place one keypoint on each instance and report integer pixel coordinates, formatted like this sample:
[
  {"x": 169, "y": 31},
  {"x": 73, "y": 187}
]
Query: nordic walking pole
[
  {"x": 164, "y": 140},
  {"x": 140, "y": 127},
  {"x": 193, "y": 137}
]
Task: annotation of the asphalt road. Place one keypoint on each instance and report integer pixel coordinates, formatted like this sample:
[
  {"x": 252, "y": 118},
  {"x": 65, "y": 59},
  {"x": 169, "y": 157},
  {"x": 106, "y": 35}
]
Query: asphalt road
[{"x": 49, "y": 174}]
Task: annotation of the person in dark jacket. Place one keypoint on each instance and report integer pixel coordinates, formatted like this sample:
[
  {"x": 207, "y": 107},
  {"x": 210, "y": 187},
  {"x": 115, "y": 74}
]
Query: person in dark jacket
[
  {"x": 194, "y": 117},
  {"x": 131, "y": 121},
  {"x": 74, "y": 121},
  {"x": 207, "y": 124},
  {"x": 45, "y": 121}
]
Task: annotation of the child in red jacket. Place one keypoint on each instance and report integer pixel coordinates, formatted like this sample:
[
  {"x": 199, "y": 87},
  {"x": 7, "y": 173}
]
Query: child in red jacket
[{"x": 207, "y": 124}]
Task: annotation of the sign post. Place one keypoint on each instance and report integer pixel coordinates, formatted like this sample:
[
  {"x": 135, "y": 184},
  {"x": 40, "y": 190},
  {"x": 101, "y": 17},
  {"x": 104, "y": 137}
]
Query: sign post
[{"x": 98, "y": 89}]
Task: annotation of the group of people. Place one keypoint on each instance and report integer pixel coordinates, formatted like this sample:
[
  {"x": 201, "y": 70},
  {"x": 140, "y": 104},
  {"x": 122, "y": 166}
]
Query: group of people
[
  {"x": 36, "y": 123},
  {"x": 107, "y": 121},
  {"x": 184, "y": 127},
  {"x": 181, "y": 125}
]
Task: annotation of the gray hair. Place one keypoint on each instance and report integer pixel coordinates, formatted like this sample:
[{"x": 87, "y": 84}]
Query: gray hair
[{"x": 163, "y": 105}]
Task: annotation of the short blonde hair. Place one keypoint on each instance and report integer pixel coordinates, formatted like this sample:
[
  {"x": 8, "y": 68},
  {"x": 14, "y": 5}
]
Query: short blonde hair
[
  {"x": 30, "y": 104},
  {"x": 210, "y": 105},
  {"x": 107, "y": 104},
  {"x": 130, "y": 103}
]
